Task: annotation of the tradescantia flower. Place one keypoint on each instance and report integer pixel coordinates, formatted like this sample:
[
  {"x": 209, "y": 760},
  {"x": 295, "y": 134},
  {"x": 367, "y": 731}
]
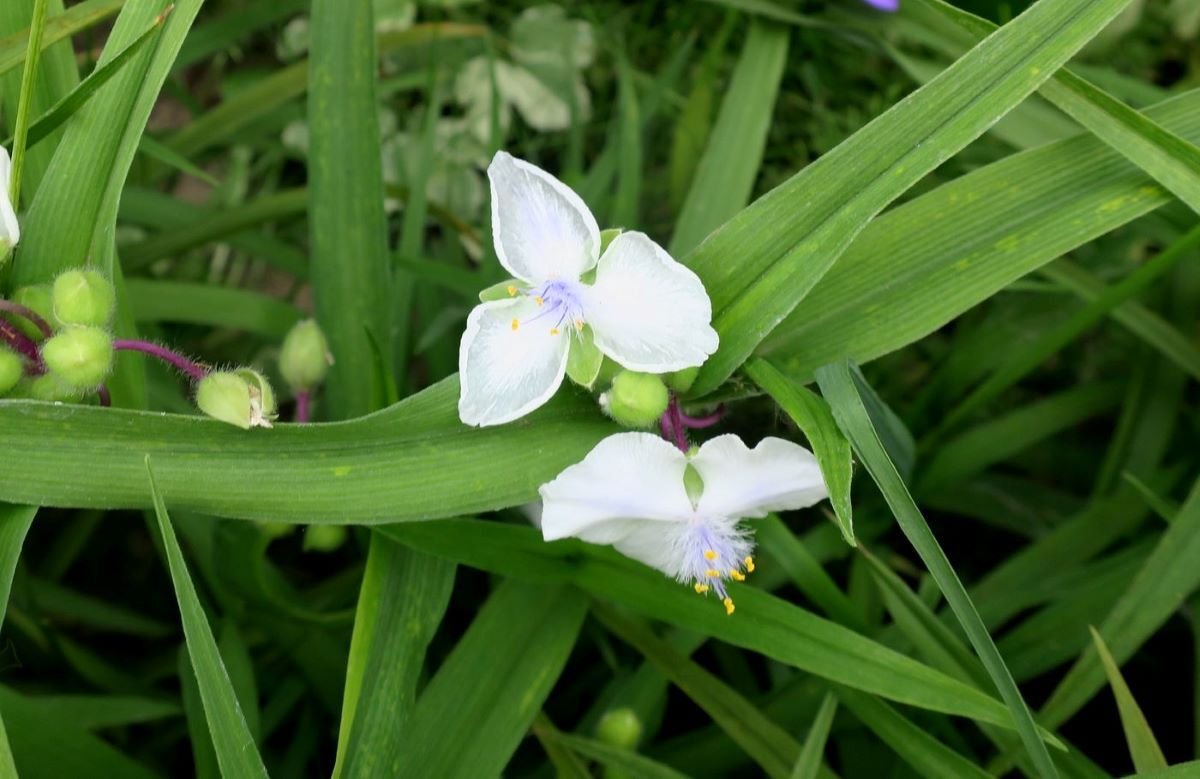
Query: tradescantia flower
[
  {"x": 10, "y": 230},
  {"x": 643, "y": 309},
  {"x": 677, "y": 512}
]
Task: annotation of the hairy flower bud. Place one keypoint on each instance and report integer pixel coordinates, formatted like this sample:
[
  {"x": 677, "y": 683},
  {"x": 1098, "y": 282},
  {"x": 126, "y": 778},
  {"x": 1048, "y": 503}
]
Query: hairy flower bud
[
  {"x": 49, "y": 387},
  {"x": 635, "y": 399},
  {"x": 37, "y": 299},
  {"x": 83, "y": 297},
  {"x": 11, "y": 370},
  {"x": 305, "y": 359},
  {"x": 79, "y": 357},
  {"x": 237, "y": 398}
]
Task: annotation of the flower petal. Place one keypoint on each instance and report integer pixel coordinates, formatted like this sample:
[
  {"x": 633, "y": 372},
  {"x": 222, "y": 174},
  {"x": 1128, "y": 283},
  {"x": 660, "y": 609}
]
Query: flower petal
[
  {"x": 648, "y": 312},
  {"x": 627, "y": 480},
  {"x": 542, "y": 230},
  {"x": 776, "y": 475},
  {"x": 10, "y": 229},
  {"x": 505, "y": 371}
]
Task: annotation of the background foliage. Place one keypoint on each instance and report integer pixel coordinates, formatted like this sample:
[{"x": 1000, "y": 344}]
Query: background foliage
[{"x": 1009, "y": 250}]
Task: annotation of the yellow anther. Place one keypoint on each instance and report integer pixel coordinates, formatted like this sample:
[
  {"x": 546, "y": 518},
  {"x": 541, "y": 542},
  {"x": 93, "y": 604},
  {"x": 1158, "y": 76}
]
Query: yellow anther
[
  {"x": 515, "y": 323},
  {"x": 710, "y": 573},
  {"x": 710, "y": 555},
  {"x": 701, "y": 588},
  {"x": 737, "y": 575},
  {"x": 554, "y": 331},
  {"x": 538, "y": 299},
  {"x": 728, "y": 606},
  {"x": 512, "y": 290},
  {"x": 749, "y": 565}
]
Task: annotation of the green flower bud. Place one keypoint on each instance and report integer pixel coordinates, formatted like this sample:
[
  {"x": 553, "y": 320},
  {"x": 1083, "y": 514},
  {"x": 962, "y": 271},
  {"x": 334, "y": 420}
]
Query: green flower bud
[
  {"x": 273, "y": 530},
  {"x": 305, "y": 359},
  {"x": 682, "y": 381},
  {"x": 79, "y": 357},
  {"x": 233, "y": 398},
  {"x": 11, "y": 370},
  {"x": 83, "y": 297},
  {"x": 324, "y": 538},
  {"x": 620, "y": 728},
  {"x": 49, "y": 387},
  {"x": 37, "y": 300},
  {"x": 635, "y": 399}
]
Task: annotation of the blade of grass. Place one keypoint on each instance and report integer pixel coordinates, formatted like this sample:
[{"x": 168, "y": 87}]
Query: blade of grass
[
  {"x": 231, "y": 739},
  {"x": 1143, "y": 746},
  {"x": 57, "y": 28},
  {"x": 33, "y": 54},
  {"x": 212, "y": 306},
  {"x": 838, "y": 387}
]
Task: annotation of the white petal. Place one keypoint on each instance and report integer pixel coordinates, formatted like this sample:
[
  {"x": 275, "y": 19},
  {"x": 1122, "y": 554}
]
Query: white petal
[
  {"x": 776, "y": 475},
  {"x": 542, "y": 230},
  {"x": 648, "y": 312},
  {"x": 505, "y": 373},
  {"x": 10, "y": 230},
  {"x": 628, "y": 481}
]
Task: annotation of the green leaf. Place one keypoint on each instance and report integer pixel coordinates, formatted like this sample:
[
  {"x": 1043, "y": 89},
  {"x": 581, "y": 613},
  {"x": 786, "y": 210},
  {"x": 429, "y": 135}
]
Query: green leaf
[
  {"x": 791, "y": 556},
  {"x": 15, "y": 522},
  {"x": 616, "y": 759},
  {"x": 584, "y": 359},
  {"x": 788, "y": 239},
  {"x": 725, "y": 175},
  {"x": 808, "y": 764},
  {"x": 478, "y": 706},
  {"x": 231, "y": 737},
  {"x": 839, "y": 389},
  {"x": 1143, "y": 747},
  {"x": 212, "y": 306},
  {"x": 812, "y": 415},
  {"x": 57, "y": 28}
]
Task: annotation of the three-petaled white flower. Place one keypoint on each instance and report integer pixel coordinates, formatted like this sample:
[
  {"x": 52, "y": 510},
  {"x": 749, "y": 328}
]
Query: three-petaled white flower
[
  {"x": 630, "y": 492},
  {"x": 645, "y": 310},
  {"x": 10, "y": 230}
]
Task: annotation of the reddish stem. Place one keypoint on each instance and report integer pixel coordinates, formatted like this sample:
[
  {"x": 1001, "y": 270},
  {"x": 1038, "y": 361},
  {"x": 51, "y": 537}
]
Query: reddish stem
[
  {"x": 27, "y": 313},
  {"x": 303, "y": 407},
  {"x": 102, "y": 394},
  {"x": 22, "y": 344},
  {"x": 193, "y": 370},
  {"x": 697, "y": 423}
]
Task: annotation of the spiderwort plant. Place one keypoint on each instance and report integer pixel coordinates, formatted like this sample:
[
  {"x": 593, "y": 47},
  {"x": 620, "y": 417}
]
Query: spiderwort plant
[
  {"x": 637, "y": 305},
  {"x": 10, "y": 229},
  {"x": 680, "y": 512}
]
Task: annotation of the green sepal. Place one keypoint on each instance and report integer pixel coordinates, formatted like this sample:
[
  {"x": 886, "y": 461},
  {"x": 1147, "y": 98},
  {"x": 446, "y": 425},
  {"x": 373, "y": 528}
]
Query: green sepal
[
  {"x": 682, "y": 380},
  {"x": 607, "y": 236},
  {"x": 501, "y": 291},
  {"x": 584, "y": 359}
]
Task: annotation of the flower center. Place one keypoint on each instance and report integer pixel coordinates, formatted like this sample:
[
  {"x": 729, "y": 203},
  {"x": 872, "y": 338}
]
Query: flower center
[
  {"x": 559, "y": 303},
  {"x": 711, "y": 552}
]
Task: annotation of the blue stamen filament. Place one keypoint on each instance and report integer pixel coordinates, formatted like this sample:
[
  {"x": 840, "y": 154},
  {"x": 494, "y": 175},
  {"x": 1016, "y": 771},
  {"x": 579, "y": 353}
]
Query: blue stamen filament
[
  {"x": 713, "y": 552},
  {"x": 554, "y": 297}
]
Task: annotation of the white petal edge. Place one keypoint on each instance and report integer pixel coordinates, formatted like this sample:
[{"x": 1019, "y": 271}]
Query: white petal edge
[
  {"x": 648, "y": 312},
  {"x": 504, "y": 373},
  {"x": 629, "y": 480},
  {"x": 10, "y": 229},
  {"x": 542, "y": 229},
  {"x": 776, "y": 475}
]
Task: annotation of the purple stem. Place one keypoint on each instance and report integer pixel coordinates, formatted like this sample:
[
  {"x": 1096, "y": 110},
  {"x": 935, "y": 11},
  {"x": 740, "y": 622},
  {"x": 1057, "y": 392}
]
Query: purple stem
[
  {"x": 666, "y": 425},
  {"x": 18, "y": 341},
  {"x": 303, "y": 410},
  {"x": 677, "y": 423},
  {"x": 102, "y": 394},
  {"x": 195, "y": 371},
  {"x": 697, "y": 423},
  {"x": 27, "y": 313}
]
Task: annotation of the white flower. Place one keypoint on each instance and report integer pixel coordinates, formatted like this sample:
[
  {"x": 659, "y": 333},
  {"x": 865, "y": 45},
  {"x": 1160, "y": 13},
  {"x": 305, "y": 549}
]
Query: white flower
[
  {"x": 10, "y": 231},
  {"x": 646, "y": 311},
  {"x": 630, "y": 492}
]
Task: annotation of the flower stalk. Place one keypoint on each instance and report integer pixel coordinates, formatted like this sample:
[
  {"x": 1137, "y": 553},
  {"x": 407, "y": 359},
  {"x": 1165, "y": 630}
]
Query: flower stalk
[{"x": 192, "y": 370}]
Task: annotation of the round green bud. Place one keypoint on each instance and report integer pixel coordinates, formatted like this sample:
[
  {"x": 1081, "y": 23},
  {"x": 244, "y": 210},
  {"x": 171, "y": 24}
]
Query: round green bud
[
  {"x": 231, "y": 398},
  {"x": 273, "y": 530},
  {"x": 324, "y": 538},
  {"x": 79, "y": 357},
  {"x": 681, "y": 381},
  {"x": 305, "y": 359},
  {"x": 620, "y": 728},
  {"x": 11, "y": 370},
  {"x": 37, "y": 300},
  {"x": 49, "y": 387},
  {"x": 635, "y": 399},
  {"x": 83, "y": 297}
]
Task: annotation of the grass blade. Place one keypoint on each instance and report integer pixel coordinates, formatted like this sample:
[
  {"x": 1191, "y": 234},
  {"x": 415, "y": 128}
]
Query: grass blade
[
  {"x": 231, "y": 739},
  {"x": 1143, "y": 747},
  {"x": 57, "y": 28},
  {"x": 808, "y": 764}
]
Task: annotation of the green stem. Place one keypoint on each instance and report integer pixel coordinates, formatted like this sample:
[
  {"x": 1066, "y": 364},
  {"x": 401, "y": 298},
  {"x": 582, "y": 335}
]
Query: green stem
[{"x": 21, "y": 131}]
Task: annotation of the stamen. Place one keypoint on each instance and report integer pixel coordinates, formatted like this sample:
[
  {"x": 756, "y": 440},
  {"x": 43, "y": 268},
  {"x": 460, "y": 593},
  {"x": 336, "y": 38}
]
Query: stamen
[
  {"x": 701, "y": 588},
  {"x": 749, "y": 564},
  {"x": 554, "y": 331},
  {"x": 728, "y": 606},
  {"x": 710, "y": 555},
  {"x": 515, "y": 324},
  {"x": 737, "y": 575},
  {"x": 512, "y": 290},
  {"x": 710, "y": 573},
  {"x": 539, "y": 300}
]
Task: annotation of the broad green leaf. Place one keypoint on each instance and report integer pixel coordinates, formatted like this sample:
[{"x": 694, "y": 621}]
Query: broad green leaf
[
  {"x": 1143, "y": 746},
  {"x": 58, "y": 27},
  {"x": 786, "y": 241},
  {"x": 808, "y": 764},
  {"x": 839, "y": 389},
  {"x": 929, "y": 757},
  {"x": 478, "y": 706},
  {"x": 766, "y": 743},
  {"x": 412, "y": 461},
  {"x": 762, "y": 623},
  {"x": 725, "y": 174},
  {"x": 924, "y": 263},
  {"x": 811, "y": 414},
  {"x": 231, "y": 739},
  {"x": 212, "y": 306}
]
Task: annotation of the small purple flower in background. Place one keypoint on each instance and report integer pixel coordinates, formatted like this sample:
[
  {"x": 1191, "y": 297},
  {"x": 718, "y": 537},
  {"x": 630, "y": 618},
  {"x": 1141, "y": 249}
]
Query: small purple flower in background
[{"x": 884, "y": 5}]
